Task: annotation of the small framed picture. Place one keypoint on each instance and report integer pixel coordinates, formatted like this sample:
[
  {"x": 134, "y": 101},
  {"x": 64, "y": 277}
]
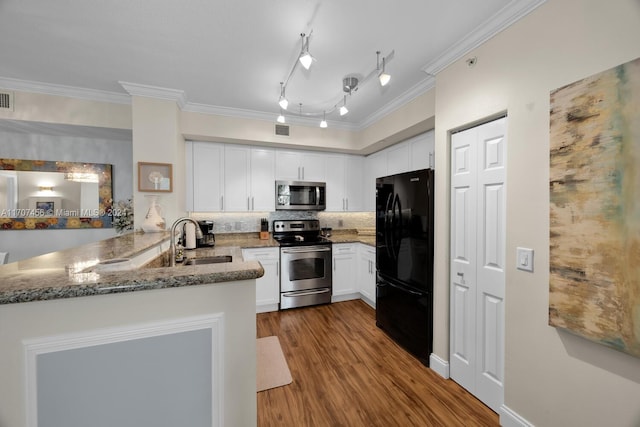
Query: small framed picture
[
  {"x": 155, "y": 177},
  {"x": 47, "y": 206}
]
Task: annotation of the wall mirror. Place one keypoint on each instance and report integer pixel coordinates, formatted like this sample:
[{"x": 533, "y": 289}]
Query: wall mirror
[{"x": 36, "y": 195}]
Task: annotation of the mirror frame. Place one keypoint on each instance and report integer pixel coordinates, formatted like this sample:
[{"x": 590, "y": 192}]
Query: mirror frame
[{"x": 104, "y": 219}]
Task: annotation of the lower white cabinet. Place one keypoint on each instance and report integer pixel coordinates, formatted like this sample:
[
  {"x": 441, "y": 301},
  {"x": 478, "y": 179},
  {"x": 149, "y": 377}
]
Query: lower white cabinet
[
  {"x": 367, "y": 273},
  {"x": 345, "y": 277},
  {"x": 267, "y": 286}
]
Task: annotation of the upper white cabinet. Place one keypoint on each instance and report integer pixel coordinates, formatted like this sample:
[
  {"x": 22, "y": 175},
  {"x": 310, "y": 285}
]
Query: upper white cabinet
[
  {"x": 422, "y": 151},
  {"x": 237, "y": 171},
  {"x": 344, "y": 182},
  {"x": 409, "y": 155},
  {"x": 398, "y": 158},
  {"x": 294, "y": 165},
  {"x": 204, "y": 176},
  {"x": 231, "y": 178},
  {"x": 263, "y": 173}
]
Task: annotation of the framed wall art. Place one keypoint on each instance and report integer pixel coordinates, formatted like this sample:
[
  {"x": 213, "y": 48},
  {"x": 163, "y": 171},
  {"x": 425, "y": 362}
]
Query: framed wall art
[
  {"x": 594, "y": 288},
  {"x": 155, "y": 177}
]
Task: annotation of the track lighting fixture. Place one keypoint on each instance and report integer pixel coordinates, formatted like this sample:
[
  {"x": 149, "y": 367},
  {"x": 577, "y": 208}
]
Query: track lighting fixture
[
  {"x": 305, "y": 57},
  {"x": 283, "y": 100},
  {"x": 382, "y": 76},
  {"x": 343, "y": 109},
  {"x": 323, "y": 123},
  {"x": 349, "y": 84}
]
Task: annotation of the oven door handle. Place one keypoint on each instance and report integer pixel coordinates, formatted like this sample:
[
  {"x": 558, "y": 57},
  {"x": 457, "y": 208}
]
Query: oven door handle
[
  {"x": 303, "y": 293},
  {"x": 305, "y": 250}
]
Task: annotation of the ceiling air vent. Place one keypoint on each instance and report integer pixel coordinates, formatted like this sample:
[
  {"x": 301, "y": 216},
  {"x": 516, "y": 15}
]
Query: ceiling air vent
[
  {"x": 6, "y": 101},
  {"x": 282, "y": 130}
]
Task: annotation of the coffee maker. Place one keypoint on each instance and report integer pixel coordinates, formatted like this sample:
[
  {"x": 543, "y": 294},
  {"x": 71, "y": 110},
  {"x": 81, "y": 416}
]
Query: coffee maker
[{"x": 208, "y": 237}]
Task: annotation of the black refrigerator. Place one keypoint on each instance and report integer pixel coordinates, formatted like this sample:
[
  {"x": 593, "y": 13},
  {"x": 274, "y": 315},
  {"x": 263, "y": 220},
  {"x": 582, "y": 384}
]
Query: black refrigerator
[{"x": 404, "y": 260}]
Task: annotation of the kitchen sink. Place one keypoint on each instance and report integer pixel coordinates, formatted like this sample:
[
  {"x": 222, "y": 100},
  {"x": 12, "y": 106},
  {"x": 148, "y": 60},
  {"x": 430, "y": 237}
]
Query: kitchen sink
[{"x": 209, "y": 260}]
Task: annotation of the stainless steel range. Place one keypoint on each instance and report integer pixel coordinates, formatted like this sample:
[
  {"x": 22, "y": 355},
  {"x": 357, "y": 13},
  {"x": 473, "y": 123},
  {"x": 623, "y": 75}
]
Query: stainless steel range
[{"x": 305, "y": 263}]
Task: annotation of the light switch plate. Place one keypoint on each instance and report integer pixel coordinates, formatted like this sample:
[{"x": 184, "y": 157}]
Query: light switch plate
[{"x": 524, "y": 259}]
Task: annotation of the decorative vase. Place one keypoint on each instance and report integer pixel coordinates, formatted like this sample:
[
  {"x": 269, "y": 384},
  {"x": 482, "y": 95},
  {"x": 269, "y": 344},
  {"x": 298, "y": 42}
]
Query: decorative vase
[{"x": 153, "y": 221}]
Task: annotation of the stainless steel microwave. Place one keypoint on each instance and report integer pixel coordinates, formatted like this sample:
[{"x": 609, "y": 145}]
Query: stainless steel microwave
[{"x": 300, "y": 195}]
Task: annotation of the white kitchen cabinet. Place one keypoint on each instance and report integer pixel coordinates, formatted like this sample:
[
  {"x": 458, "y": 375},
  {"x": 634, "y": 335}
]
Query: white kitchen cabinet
[
  {"x": 300, "y": 166},
  {"x": 267, "y": 286},
  {"x": 422, "y": 149},
  {"x": 375, "y": 167},
  {"x": 412, "y": 154},
  {"x": 367, "y": 273},
  {"x": 237, "y": 172},
  {"x": 344, "y": 182},
  {"x": 263, "y": 177},
  {"x": 205, "y": 176},
  {"x": 345, "y": 277},
  {"x": 398, "y": 158},
  {"x": 249, "y": 178},
  {"x": 228, "y": 177}
]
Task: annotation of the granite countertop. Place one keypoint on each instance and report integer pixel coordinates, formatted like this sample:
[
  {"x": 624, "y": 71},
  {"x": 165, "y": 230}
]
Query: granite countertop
[{"x": 74, "y": 273}]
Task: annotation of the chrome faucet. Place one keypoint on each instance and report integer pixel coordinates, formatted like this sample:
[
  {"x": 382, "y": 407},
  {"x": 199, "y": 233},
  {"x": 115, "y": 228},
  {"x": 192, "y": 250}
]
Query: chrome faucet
[{"x": 172, "y": 247}]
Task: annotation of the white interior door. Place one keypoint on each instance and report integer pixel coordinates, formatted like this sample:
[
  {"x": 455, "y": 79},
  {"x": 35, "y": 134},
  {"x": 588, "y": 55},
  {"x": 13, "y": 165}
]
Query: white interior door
[{"x": 478, "y": 179}]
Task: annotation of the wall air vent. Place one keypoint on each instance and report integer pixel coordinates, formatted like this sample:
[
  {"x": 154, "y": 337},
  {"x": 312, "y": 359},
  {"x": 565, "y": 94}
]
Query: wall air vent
[
  {"x": 6, "y": 100},
  {"x": 282, "y": 130}
]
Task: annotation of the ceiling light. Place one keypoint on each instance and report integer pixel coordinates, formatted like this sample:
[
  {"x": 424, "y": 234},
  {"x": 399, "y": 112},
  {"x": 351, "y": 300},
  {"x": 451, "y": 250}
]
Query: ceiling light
[
  {"x": 343, "y": 109},
  {"x": 280, "y": 118},
  {"x": 283, "y": 100},
  {"x": 383, "y": 77},
  {"x": 305, "y": 57},
  {"x": 323, "y": 123}
]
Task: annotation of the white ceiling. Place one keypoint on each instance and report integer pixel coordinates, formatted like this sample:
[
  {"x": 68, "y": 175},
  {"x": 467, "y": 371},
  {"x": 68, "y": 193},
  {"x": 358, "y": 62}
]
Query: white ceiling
[{"x": 229, "y": 56}]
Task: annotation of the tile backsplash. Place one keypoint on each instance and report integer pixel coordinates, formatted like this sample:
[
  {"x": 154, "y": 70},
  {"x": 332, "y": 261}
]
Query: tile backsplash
[{"x": 239, "y": 222}]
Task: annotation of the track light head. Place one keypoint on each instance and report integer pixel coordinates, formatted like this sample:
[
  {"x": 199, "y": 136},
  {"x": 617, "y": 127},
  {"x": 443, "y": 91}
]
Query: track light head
[
  {"x": 382, "y": 76},
  {"x": 283, "y": 100},
  {"x": 323, "y": 123},
  {"x": 305, "y": 57}
]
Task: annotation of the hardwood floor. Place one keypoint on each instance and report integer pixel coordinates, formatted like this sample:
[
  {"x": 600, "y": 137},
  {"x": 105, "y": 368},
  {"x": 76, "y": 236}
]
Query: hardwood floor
[{"x": 347, "y": 372}]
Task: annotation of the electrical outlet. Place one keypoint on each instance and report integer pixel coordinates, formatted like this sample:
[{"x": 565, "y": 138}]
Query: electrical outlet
[{"x": 524, "y": 259}]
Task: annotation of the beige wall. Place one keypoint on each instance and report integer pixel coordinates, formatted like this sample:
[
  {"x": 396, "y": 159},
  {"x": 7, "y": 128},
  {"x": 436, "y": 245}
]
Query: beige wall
[
  {"x": 551, "y": 378},
  {"x": 63, "y": 110},
  {"x": 157, "y": 139}
]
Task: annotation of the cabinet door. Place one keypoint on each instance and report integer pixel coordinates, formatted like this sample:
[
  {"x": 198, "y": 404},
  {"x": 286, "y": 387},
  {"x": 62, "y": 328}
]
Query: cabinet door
[
  {"x": 263, "y": 172},
  {"x": 207, "y": 168},
  {"x": 345, "y": 277},
  {"x": 375, "y": 167},
  {"x": 367, "y": 273},
  {"x": 288, "y": 165},
  {"x": 422, "y": 151},
  {"x": 313, "y": 166},
  {"x": 336, "y": 183},
  {"x": 398, "y": 158},
  {"x": 267, "y": 286},
  {"x": 354, "y": 177},
  {"x": 236, "y": 178}
]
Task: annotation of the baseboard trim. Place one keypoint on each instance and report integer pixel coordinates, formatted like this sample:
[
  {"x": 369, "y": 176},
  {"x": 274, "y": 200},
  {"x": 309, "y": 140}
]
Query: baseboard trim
[
  {"x": 439, "y": 365},
  {"x": 508, "y": 418}
]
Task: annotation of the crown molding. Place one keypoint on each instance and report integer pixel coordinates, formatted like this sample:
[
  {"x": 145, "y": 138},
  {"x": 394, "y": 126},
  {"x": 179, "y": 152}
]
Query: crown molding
[
  {"x": 66, "y": 91},
  {"x": 136, "y": 89},
  {"x": 424, "y": 86},
  {"x": 509, "y": 14}
]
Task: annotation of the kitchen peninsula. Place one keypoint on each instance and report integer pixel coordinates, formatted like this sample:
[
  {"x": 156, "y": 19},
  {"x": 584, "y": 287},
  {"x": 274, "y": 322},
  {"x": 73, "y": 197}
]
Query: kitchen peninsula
[{"x": 160, "y": 345}]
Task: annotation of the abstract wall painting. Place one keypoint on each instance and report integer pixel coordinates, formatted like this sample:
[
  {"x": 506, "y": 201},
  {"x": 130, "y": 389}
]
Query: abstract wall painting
[{"x": 594, "y": 288}]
